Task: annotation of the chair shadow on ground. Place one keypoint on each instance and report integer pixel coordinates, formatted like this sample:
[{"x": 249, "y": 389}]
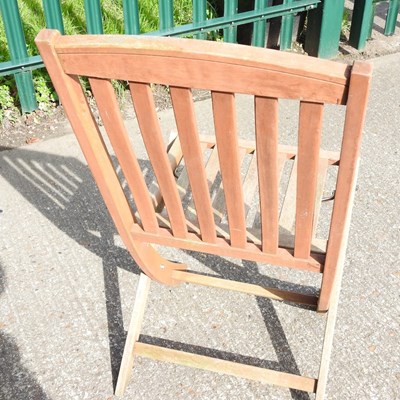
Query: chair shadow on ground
[
  {"x": 17, "y": 382},
  {"x": 63, "y": 190}
]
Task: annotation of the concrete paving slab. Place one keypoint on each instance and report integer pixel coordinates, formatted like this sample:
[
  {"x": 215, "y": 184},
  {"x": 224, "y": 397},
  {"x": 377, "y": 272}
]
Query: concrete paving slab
[{"x": 67, "y": 284}]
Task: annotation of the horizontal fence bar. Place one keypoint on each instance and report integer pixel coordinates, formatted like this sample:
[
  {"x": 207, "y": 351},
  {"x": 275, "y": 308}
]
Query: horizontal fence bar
[
  {"x": 26, "y": 64},
  {"x": 239, "y": 19}
]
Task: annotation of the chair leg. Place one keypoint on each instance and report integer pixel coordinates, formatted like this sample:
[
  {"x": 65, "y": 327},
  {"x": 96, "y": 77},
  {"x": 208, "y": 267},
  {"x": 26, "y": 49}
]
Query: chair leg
[
  {"x": 133, "y": 333},
  {"x": 328, "y": 339}
]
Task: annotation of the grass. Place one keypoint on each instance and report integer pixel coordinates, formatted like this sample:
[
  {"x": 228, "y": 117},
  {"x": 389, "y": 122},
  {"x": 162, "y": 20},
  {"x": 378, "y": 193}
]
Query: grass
[{"x": 33, "y": 21}]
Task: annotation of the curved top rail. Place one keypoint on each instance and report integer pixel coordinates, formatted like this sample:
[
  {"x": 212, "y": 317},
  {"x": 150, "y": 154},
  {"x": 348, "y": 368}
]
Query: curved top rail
[{"x": 314, "y": 80}]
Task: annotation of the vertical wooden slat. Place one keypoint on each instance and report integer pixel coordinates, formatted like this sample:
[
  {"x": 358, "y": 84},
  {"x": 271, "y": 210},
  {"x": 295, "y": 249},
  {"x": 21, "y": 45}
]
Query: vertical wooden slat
[
  {"x": 250, "y": 184},
  {"x": 266, "y": 114},
  {"x": 186, "y": 123},
  {"x": 151, "y": 132},
  {"x": 227, "y": 145},
  {"x": 219, "y": 203},
  {"x": 322, "y": 171},
  {"x": 307, "y": 172},
  {"x": 287, "y": 215},
  {"x": 115, "y": 127},
  {"x": 347, "y": 174}
]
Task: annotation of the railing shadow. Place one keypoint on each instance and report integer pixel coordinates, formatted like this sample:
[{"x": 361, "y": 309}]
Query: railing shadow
[
  {"x": 63, "y": 190},
  {"x": 16, "y": 381}
]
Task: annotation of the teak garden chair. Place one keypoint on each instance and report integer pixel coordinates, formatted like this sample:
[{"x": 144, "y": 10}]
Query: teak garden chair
[{"x": 223, "y": 69}]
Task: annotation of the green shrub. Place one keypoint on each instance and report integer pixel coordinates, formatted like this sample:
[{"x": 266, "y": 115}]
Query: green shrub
[{"x": 74, "y": 23}]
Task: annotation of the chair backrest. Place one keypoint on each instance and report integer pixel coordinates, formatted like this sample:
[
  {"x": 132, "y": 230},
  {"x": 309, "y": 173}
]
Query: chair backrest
[{"x": 224, "y": 69}]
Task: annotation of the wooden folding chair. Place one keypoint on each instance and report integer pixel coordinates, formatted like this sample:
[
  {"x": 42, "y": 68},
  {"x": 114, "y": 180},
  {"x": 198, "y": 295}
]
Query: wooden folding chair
[{"x": 199, "y": 223}]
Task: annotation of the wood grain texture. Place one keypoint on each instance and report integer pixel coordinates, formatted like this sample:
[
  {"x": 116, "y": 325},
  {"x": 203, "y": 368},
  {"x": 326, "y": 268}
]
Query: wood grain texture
[
  {"x": 266, "y": 114},
  {"x": 310, "y": 125},
  {"x": 152, "y": 137},
  {"x": 347, "y": 174},
  {"x": 228, "y": 155},
  {"x": 256, "y": 290},
  {"x": 322, "y": 171},
  {"x": 287, "y": 215},
  {"x": 109, "y": 111},
  {"x": 190, "y": 73},
  {"x": 186, "y": 123},
  {"x": 252, "y": 252},
  {"x": 227, "y": 367},
  {"x": 289, "y": 63}
]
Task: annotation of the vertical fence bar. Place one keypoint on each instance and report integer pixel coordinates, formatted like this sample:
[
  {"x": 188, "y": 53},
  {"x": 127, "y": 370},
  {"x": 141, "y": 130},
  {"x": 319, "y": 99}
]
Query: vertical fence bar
[
  {"x": 52, "y": 15},
  {"x": 391, "y": 18},
  {"x": 17, "y": 46},
  {"x": 230, "y": 9},
  {"x": 360, "y": 24},
  {"x": 323, "y": 29},
  {"x": 371, "y": 21},
  {"x": 166, "y": 11},
  {"x": 93, "y": 16},
  {"x": 259, "y": 27},
  {"x": 286, "y": 29},
  {"x": 199, "y": 15},
  {"x": 131, "y": 17}
]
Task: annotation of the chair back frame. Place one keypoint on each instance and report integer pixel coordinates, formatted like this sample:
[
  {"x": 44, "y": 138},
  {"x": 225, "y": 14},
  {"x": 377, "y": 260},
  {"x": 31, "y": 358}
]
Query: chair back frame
[{"x": 224, "y": 69}]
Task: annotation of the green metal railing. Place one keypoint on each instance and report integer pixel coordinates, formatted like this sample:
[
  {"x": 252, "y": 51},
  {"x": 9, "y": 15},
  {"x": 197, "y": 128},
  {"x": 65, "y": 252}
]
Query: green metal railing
[
  {"x": 363, "y": 20},
  {"x": 21, "y": 65},
  {"x": 322, "y": 39}
]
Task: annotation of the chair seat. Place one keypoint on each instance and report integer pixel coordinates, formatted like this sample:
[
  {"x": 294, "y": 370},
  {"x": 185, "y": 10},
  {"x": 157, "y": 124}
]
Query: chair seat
[{"x": 287, "y": 166}]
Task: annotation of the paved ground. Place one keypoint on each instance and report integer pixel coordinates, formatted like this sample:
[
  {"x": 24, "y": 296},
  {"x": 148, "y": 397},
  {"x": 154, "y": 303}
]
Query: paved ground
[{"x": 67, "y": 286}]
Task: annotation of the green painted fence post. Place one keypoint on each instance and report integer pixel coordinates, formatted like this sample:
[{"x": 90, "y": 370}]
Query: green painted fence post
[
  {"x": 230, "y": 9},
  {"x": 94, "y": 21},
  {"x": 259, "y": 27},
  {"x": 391, "y": 18},
  {"x": 199, "y": 15},
  {"x": 166, "y": 11},
  {"x": 52, "y": 15},
  {"x": 361, "y": 24},
  {"x": 131, "y": 17},
  {"x": 17, "y": 46},
  {"x": 323, "y": 29},
  {"x": 286, "y": 29}
]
